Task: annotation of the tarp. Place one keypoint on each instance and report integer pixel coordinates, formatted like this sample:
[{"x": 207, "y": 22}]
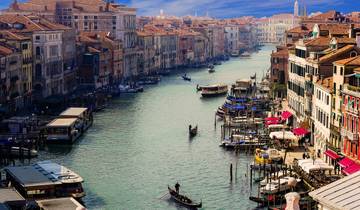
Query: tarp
[
  {"x": 331, "y": 154},
  {"x": 237, "y": 100},
  {"x": 234, "y": 107},
  {"x": 286, "y": 135},
  {"x": 300, "y": 131},
  {"x": 351, "y": 169},
  {"x": 345, "y": 162},
  {"x": 286, "y": 115}
]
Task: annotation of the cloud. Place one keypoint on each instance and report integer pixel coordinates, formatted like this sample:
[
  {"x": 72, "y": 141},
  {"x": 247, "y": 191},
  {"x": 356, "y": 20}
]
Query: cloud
[{"x": 228, "y": 8}]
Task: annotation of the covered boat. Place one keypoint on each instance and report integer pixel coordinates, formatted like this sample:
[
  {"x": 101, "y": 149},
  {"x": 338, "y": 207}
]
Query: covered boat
[
  {"x": 183, "y": 200},
  {"x": 214, "y": 90}
]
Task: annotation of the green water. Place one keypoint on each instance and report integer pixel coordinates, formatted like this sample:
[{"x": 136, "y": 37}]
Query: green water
[{"x": 140, "y": 144}]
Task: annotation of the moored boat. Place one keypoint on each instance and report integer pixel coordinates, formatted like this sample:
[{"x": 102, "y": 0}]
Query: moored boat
[
  {"x": 186, "y": 78},
  {"x": 245, "y": 54},
  {"x": 19, "y": 151},
  {"x": 183, "y": 200},
  {"x": 214, "y": 90}
]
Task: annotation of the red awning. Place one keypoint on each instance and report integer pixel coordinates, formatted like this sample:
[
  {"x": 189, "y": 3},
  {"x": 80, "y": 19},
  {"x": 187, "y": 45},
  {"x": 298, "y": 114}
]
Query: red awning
[
  {"x": 272, "y": 119},
  {"x": 300, "y": 131},
  {"x": 351, "y": 169},
  {"x": 333, "y": 155},
  {"x": 286, "y": 115},
  {"x": 346, "y": 162}
]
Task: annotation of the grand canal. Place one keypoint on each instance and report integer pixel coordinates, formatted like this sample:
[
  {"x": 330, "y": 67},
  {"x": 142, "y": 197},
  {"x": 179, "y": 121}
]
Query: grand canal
[{"x": 139, "y": 145}]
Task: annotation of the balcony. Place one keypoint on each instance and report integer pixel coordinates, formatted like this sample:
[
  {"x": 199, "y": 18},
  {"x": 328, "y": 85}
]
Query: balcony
[
  {"x": 351, "y": 110},
  {"x": 351, "y": 90},
  {"x": 350, "y": 135}
]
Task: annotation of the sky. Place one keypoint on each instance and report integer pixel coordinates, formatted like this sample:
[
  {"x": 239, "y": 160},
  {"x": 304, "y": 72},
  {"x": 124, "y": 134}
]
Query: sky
[{"x": 230, "y": 8}]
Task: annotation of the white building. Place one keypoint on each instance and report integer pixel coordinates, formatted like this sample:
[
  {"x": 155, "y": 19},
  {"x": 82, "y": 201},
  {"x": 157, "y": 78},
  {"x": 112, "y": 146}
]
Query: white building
[
  {"x": 321, "y": 113},
  {"x": 272, "y": 29},
  {"x": 231, "y": 39}
]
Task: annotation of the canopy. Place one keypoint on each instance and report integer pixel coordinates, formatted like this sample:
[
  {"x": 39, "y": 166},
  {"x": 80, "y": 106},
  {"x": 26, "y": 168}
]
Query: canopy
[
  {"x": 286, "y": 115},
  {"x": 351, "y": 169},
  {"x": 346, "y": 162},
  {"x": 277, "y": 126},
  {"x": 286, "y": 135},
  {"x": 309, "y": 164},
  {"x": 331, "y": 154},
  {"x": 300, "y": 131}
]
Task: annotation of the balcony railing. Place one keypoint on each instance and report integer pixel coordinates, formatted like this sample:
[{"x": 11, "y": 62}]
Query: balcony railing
[
  {"x": 351, "y": 110},
  {"x": 350, "y": 135}
]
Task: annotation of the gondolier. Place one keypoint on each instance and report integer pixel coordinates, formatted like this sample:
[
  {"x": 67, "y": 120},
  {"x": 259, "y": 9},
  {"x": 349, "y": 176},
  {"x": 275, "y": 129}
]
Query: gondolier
[{"x": 177, "y": 187}]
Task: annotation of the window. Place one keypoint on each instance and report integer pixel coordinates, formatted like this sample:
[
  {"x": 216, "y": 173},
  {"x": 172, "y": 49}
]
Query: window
[
  {"x": 334, "y": 69},
  {"x": 54, "y": 50},
  {"x": 327, "y": 100},
  {"x": 341, "y": 71},
  {"x": 37, "y": 38},
  {"x": 25, "y": 46}
]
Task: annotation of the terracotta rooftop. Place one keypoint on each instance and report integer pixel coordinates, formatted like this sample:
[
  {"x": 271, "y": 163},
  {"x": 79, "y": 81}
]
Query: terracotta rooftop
[
  {"x": 326, "y": 83},
  {"x": 335, "y": 53},
  {"x": 346, "y": 40},
  {"x": 301, "y": 29},
  {"x": 354, "y": 61},
  {"x": 335, "y": 29},
  {"x": 324, "y": 16},
  {"x": 78, "y": 5},
  {"x": 5, "y": 51},
  {"x": 282, "y": 52},
  {"x": 30, "y": 23},
  {"x": 12, "y": 36},
  {"x": 317, "y": 42}
]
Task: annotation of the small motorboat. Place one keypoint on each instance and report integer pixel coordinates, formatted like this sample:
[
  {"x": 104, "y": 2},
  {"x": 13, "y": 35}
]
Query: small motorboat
[
  {"x": 193, "y": 131},
  {"x": 211, "y": 70},
  {"x": 186, "y": 78},
  {"x": 183, "y": 200},
  {"x": 129, "y": 89}
]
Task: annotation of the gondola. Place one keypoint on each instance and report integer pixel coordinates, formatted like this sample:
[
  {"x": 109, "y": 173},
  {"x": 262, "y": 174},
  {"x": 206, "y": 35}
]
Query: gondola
[
  {"x": 183, "y": 200},
  {"x": 186, "y": 78}
]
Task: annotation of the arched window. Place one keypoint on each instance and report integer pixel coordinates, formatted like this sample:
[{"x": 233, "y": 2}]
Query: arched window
[
  {"x": 38, "y": 51},
  {"x": 353, "y": 54}
]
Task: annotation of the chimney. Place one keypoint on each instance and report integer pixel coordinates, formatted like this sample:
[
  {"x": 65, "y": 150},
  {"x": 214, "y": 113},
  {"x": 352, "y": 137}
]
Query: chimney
[{"x": 351, "y": 31}]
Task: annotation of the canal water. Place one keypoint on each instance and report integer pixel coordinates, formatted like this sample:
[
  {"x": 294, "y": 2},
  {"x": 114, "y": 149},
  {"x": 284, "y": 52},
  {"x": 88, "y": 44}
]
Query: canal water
[{"x": 140, "y": 144}]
